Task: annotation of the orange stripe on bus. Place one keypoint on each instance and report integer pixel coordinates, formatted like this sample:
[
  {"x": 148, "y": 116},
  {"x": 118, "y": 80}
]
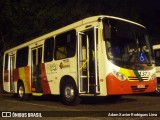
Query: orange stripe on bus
[
  {"x": 27, "y": 77},
  {"x": 131, "y": 73}
]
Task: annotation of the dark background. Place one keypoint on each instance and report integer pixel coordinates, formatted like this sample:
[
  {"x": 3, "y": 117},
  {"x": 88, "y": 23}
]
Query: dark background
[{"x": 23, "y": 20}]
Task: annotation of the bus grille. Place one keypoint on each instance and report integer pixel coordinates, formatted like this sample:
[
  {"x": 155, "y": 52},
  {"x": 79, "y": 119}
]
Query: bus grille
[
  {"x": 135, "y": 89},
  {"x": 137, "y": 79}
]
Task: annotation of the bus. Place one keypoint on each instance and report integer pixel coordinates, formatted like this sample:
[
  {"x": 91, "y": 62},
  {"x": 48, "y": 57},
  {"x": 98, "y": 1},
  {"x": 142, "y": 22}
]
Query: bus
[
  {"x": 96, "y": 56},
  {"x": 156, "y": 49}
]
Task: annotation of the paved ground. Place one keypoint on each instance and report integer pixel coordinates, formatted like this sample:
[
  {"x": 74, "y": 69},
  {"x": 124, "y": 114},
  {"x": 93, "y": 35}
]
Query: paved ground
[{"x": 91, "y": 108}]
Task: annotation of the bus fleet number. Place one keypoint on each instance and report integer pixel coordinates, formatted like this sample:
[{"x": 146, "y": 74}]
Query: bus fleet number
[{"x": 144, "y": 73}]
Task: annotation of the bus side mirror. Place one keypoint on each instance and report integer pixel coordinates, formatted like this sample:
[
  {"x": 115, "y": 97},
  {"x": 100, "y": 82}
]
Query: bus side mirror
[{"x": 107, "y": 32}]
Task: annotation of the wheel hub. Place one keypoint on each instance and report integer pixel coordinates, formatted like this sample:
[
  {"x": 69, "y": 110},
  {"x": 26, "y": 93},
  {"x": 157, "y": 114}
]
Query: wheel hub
[
  {"x": 69, "y": 93},
  {"x": 21, "y": 91}
]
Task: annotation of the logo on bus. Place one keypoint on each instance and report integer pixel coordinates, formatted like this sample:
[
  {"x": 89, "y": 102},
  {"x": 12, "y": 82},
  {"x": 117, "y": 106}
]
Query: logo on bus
[{"x": 52, "y": 67}]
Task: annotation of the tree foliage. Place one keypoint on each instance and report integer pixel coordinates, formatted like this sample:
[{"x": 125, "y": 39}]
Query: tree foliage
[{"x": 23, "y": 20}]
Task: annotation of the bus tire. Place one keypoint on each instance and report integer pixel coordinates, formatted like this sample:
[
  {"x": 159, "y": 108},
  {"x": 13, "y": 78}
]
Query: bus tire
[
  {"x": 21, "y": 92},
  {"x": 69, "y": 93},
  {"x": 158, "y": 89}
]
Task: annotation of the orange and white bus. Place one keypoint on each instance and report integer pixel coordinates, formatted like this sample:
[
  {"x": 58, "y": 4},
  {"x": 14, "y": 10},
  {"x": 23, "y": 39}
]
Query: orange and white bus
[{"x": 96, "y": 56}]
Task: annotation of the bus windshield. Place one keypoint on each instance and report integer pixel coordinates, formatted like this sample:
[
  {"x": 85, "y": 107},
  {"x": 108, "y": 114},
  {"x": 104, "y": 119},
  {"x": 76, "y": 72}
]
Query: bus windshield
[{"x": 127, "y": 44}]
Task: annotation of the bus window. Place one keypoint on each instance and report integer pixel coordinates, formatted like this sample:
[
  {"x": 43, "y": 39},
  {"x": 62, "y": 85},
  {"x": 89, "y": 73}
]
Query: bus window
[
  {"x": 65, "y": 45},
  {"x": 48, "y": 49},
  {"x": 22, "y": 57},
  {"x": 128, "y": 45}
]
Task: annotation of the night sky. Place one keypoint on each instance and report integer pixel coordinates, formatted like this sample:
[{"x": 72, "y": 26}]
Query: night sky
[
  {"x": 21, "y": 21},
  {"x": 150, "y": 14}
]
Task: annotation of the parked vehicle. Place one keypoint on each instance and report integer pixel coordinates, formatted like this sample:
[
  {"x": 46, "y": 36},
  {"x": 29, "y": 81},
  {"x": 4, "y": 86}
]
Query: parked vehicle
[{"x": 156, "y": 49}]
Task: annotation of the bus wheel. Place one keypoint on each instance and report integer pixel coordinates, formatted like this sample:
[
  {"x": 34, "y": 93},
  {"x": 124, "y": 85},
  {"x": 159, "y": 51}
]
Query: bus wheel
[
  {"x": 21, "y": 92},
  {"x": 69, "y": 93}
]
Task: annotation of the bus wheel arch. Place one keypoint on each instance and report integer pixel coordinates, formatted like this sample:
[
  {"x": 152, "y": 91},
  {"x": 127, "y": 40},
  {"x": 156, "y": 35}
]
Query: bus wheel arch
[
  {"x": 68, "y": 91},
  {"x": 21, "y": 92}
]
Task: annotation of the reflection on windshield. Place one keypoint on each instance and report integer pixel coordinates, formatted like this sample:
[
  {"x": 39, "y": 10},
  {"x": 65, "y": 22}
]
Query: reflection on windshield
[{"x": 128, "y": 44}]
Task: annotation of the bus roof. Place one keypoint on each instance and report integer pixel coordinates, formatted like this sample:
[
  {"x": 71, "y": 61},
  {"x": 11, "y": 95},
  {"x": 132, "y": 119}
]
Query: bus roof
[
  {"x": 69, "y": 27},
  {"x": 155, "y": 47}
]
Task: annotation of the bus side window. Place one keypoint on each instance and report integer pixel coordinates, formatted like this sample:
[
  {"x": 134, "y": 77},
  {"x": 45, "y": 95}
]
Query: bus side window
[
  {"x": 65, "y": 45},
  {"x": 22, "y": 57},
  {"x": 48, "y": 49},
  {"x": 6, "y": 62}
]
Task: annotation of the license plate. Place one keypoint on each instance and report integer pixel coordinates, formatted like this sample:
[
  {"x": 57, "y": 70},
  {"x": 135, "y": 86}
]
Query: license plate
[{"x": 140, "y": 86}]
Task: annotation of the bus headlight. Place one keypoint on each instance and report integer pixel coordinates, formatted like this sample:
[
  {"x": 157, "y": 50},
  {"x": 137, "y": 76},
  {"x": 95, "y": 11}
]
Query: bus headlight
[
  {"x": 119, "y": 75},
  {"x": 153, "y": 77}
]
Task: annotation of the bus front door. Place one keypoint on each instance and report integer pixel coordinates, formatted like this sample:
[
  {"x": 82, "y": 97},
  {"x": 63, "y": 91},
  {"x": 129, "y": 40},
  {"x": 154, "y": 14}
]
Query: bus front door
[
  {"x": 36, "y": 70},
  {"x": 87, "y": 62}
]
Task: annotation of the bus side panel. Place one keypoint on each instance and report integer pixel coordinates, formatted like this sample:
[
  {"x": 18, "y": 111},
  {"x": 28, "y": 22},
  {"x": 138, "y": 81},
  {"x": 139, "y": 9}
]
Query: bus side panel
[
  {"x": 15, "y": 78},
  {"x": 103, "y": 66},
  {"x": 27, "y": 78},
  {"x": 45, "y": 84},
  {"x": 53, "y": 72},
  {"x": 16, "y": 75},
  {"x": 24, "y": 75},
  {"x": 6, "y": 86},
  {"x": 19, "y": 74}
]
